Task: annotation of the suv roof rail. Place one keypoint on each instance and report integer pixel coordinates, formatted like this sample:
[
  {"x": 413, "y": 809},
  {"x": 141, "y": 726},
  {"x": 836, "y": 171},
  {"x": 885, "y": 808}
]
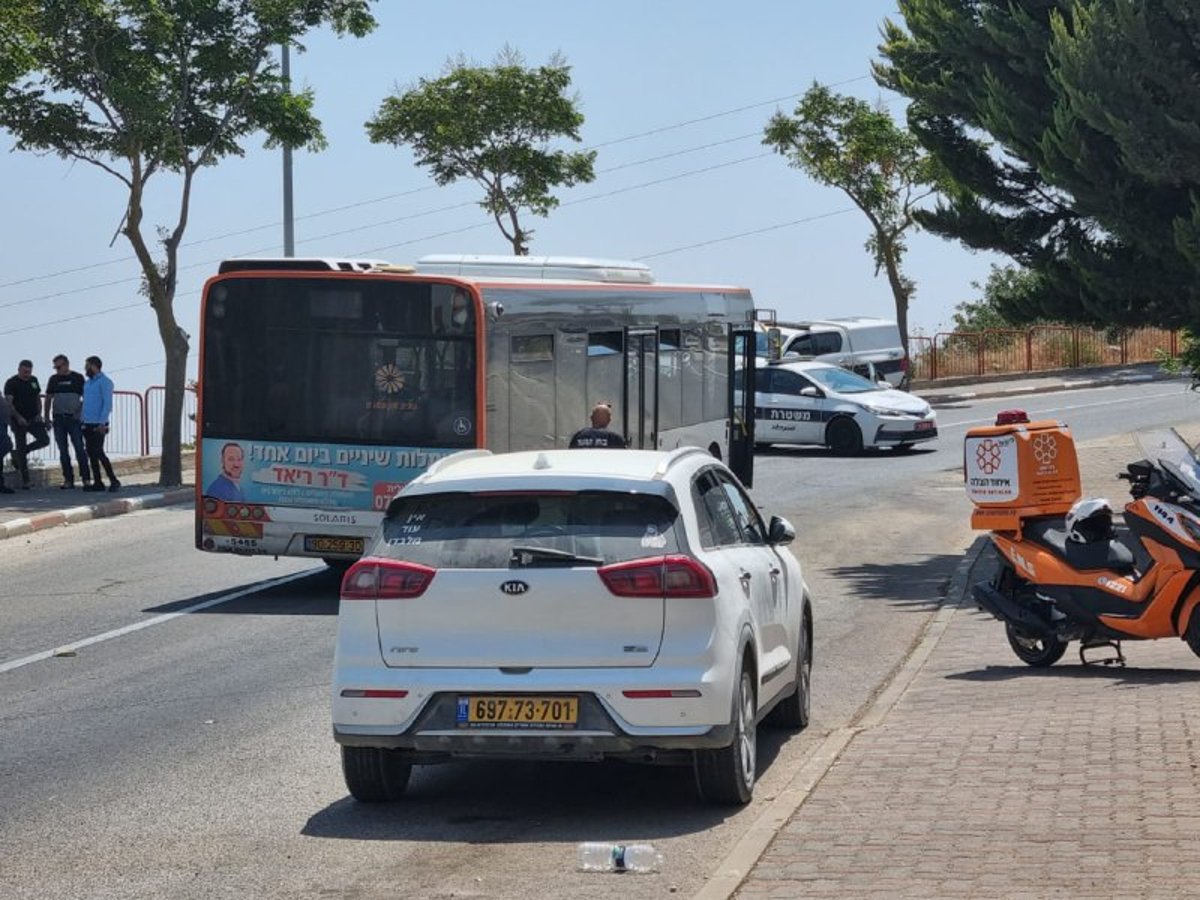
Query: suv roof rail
[
  {"x": 454, "y": 459},
  {"x": 673, "y": 457}
]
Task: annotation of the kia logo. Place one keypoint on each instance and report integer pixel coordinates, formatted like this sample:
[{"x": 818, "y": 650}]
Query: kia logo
[{"x": 514, "y": 587}]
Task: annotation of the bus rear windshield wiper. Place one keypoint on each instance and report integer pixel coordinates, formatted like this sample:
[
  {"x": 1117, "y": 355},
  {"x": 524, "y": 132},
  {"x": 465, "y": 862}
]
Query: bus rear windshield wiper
[{"x": 545, "y": 557}]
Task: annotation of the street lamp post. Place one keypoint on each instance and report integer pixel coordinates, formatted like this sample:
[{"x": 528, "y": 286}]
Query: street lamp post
[{"x": 289, "y": 236}]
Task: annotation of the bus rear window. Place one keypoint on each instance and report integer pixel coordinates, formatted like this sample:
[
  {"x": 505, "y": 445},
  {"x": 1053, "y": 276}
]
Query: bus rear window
[{"x": 309, "y": 360}]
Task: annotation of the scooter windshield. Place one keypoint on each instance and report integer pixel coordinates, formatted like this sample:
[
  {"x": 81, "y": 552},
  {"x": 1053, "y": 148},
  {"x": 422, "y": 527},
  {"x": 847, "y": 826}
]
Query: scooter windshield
[{"x": 1173, "y": 454}]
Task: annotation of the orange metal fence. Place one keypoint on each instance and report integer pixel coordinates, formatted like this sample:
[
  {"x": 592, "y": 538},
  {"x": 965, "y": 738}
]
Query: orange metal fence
[{"x": 973, "y": 354}]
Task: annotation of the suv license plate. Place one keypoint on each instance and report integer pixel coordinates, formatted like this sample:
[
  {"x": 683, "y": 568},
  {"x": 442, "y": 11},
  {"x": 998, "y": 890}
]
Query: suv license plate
[
  {"x": 924, "y": 426},
  {"x": 517, "y": 712}
]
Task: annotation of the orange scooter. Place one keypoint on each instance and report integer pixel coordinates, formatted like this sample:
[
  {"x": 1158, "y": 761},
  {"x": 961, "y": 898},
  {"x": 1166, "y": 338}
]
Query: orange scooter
[{"x": 1074, "y": 577}]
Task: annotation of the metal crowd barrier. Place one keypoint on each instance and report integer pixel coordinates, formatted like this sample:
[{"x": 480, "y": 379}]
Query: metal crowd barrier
[{"x": 135, "y": 427}]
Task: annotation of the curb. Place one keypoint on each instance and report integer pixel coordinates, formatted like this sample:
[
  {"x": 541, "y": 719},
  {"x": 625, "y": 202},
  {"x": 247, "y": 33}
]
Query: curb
[
  {"x": 740, "y": 861},
  {"x": 965, "y": 396},
  {"x": 109, "y": 508}
]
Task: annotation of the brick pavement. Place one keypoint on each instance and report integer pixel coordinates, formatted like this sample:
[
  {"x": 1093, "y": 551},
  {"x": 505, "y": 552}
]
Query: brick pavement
[{"x": 992, "y": 779}]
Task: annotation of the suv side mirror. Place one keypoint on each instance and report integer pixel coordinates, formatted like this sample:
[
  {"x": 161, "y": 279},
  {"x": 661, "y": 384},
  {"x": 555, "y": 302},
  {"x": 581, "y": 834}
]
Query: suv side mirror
[
  {"x": 780, "y": 531},
  {"x": 809, "y": 391}
]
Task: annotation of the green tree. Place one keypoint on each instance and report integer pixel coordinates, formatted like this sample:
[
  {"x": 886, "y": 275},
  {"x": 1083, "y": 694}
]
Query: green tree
[
  {"x": 493, "y": 125},
  {"x": 1033, "y": 108},
  {"x": 846, "y": 143},
  {"x": 1010, "y": 299},
  {"x": 138, "y": 88},
  {"x": 17, "y": 39}
]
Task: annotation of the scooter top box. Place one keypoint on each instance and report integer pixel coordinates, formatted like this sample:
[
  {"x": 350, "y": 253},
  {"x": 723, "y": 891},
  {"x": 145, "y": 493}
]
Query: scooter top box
[{"x": 1018, "y": 470}]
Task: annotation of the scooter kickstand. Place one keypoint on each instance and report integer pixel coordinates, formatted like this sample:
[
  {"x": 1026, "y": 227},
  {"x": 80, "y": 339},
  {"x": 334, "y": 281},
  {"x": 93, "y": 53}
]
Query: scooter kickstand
[{"x": 1115, "y": 646}]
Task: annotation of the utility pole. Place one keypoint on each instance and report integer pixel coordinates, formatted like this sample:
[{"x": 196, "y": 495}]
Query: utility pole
[{"x": 289, "y": 234}]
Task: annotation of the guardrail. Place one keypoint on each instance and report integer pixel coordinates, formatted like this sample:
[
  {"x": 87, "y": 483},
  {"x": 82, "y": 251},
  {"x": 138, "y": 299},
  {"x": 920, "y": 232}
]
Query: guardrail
[
  {"x": 1041, "y": 348},
  {"x": 135, "y": 426}
]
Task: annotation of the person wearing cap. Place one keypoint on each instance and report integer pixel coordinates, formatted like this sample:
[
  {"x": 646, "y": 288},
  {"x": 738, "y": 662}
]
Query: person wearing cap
[
  {"x": 598, "y": 435},
  {"x": 24, "y": 395}
]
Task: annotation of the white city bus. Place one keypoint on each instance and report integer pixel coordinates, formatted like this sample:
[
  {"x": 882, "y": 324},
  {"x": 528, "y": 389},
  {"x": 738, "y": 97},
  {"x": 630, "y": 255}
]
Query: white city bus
[{"x": 326, "y": 385}]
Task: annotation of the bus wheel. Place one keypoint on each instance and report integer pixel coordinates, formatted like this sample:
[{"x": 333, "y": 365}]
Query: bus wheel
[{"x": 338, "y": 564}]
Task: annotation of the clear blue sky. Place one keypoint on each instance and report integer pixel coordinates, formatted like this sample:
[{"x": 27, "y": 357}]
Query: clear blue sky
[{"x": 637, "y": 67}]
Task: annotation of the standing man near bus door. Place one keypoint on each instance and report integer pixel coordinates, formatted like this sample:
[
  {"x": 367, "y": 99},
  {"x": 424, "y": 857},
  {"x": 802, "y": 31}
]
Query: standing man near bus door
[
  {"x": 97, "y": 408},
  {"x": 24, "y": 395},
  {"x": 64, "y": 409},
  {"x": 598, "y": 435}
]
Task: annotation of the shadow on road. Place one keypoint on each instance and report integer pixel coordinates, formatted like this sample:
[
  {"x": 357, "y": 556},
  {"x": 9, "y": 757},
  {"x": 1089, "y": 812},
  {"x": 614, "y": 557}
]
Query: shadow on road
[
  {"x": 786, "y": 451},
  {"x": 518, "y": 802},
  {"x": 919, "y": 585},
  {"x": 1127, "y": 677},
  {"x": 313, "y": 595}
]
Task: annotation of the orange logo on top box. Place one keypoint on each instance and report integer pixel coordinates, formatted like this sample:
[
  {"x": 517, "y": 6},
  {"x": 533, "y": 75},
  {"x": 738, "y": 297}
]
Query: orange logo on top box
[{"x": 1020, "y": 470}]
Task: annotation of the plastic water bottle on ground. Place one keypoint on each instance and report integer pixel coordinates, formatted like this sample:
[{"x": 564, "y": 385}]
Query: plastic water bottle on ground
[{"x": 600, "y": 857}]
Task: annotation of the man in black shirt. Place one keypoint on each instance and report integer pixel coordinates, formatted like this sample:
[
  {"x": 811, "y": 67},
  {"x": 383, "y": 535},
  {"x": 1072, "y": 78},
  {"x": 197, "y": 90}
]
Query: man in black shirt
[
  {"x": 64, "y": 407},
  {"x": 598, "y": 435},
  {"x": 24, "y": 394}
]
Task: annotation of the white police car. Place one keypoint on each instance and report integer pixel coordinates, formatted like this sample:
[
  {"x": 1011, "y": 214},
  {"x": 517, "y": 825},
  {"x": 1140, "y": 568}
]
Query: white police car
[{"x": 816, "y": 403}]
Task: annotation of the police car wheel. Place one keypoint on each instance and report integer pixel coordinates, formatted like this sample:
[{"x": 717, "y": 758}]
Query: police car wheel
[{"x": 843, "y": 437}]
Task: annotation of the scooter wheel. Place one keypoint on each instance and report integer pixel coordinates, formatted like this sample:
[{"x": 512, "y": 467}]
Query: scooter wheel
[{"x": 1038, "y": 652}]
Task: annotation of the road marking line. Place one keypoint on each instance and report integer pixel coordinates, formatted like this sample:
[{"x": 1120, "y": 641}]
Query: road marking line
[
  {"x": 156, "y": 620},
  {"x": 1138, "y": 399}
]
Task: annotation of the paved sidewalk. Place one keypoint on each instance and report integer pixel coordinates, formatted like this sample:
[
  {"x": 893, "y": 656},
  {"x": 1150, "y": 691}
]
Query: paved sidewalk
[
  {"x": 46, "y": 506},
  {"x": 991, "y": 779}
]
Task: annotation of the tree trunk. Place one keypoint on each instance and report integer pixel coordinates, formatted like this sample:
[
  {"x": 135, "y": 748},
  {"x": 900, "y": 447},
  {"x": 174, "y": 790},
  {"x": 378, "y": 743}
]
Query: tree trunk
[
  {"x": 170, "y": 473},
  {"x": 900, "y": 289}
]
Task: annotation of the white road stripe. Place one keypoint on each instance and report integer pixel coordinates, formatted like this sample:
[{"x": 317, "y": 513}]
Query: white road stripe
[
  {"x": 1138, "y": 399},
  {"x": 156, "y": 620}
]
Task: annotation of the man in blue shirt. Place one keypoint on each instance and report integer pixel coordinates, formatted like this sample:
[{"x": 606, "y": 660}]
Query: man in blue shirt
[
  {"x": 225, "y": 486},
  {"x": 97, "y": 407}
]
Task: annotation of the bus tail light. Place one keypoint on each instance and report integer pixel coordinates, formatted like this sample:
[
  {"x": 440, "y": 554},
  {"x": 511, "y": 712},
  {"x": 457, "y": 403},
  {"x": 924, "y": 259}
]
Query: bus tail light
[
  {"x": 660, "y": 576},
  {"x": 386, "y": 579}
]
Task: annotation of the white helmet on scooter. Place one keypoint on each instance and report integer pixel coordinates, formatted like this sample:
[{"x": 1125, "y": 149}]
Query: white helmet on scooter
[{"x": 1090, "y": 520}]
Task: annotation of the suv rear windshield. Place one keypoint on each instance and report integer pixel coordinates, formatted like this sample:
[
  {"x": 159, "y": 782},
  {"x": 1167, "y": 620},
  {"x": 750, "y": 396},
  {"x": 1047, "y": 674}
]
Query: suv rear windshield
[{"x": 462, "y": 530}]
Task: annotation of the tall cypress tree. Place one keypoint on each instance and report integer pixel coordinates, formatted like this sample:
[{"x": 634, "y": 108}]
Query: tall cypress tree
[{"x": 1006, "y": 95}]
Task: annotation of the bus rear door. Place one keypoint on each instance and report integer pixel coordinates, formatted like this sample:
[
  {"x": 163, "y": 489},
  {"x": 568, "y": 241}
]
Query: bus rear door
[{"x": 640, "y": 388}]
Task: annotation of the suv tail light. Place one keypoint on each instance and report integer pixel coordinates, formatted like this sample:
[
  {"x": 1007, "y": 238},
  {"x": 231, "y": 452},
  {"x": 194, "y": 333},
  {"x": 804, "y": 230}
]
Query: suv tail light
[
  {"x": 386, "y": 579},
  {"x": 660, "y": 576}
]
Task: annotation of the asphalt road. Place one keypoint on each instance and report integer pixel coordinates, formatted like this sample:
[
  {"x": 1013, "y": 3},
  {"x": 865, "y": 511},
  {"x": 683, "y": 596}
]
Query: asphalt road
[{"x": 191, "y": 757}]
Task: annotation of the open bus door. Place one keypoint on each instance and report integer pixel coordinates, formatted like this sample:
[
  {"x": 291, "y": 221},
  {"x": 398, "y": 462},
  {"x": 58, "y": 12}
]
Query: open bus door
[
  {"x": 639, "y": 392},
  {"x": 741, "y": 402}
]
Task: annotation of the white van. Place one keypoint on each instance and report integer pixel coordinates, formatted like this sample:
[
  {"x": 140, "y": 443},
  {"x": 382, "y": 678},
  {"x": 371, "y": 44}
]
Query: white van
[{"x": 870, "y": 346}]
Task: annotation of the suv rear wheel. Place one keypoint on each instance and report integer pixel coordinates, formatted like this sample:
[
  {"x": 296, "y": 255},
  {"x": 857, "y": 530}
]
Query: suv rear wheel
[
  {"x": 793, "y": 710},
  {"x": 726, "y": 775},
  {"x": 374, "y": 775}
]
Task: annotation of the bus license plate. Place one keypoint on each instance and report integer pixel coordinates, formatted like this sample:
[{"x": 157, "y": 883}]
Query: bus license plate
[
  {"x": 320, "y": 544},
  {"x": 517, "y": 712}
]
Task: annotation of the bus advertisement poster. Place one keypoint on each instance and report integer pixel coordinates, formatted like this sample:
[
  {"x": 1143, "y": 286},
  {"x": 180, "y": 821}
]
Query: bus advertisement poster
[{"x": 323, "y": 476}]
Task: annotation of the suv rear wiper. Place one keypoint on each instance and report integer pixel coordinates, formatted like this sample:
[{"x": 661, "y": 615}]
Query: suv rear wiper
[{"x": 535, "y": 557}]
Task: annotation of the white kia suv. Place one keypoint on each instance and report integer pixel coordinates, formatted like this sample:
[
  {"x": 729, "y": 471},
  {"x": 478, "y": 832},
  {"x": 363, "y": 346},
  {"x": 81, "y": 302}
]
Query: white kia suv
[{"x": 571, "y": 604}]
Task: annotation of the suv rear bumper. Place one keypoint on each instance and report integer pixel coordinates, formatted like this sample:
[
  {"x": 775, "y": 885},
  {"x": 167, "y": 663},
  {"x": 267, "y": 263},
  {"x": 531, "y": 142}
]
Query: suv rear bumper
[{"x": 435, "y": 735}]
